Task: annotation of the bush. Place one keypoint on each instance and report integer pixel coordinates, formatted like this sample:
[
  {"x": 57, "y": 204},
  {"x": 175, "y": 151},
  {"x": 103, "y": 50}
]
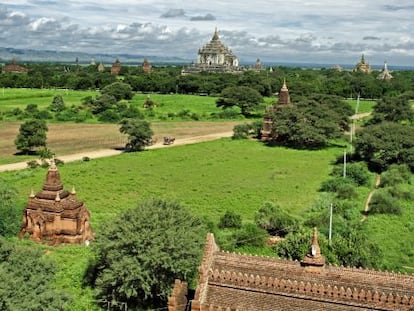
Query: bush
[
  {"x": 110, "y": 116},
  {"x": 230, "y": 220},
  {"x": 250, "y": 235},
  {"x": 395, "y": 174},
  {"x": 33, "y": 164},
  {"x": 346, "y": 191},
  {"x": 86, "y": 159},
  {"x": 241, "y": 131},
  {"x": 357, "y": 172},
  {"x": 275, "y": 220},
  {"x": 382, "y": 202},
  {"x": 332, "y": 184}
]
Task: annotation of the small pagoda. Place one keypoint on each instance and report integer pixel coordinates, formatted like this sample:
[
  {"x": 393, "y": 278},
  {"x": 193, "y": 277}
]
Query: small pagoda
[
  {"x": 54, "y": 215},
  {"x": 116, "y": 67},
  {"x": 362, "y": 66},
  {"x": 146, "y": 66},
  {"x": 284, "y": 99}
]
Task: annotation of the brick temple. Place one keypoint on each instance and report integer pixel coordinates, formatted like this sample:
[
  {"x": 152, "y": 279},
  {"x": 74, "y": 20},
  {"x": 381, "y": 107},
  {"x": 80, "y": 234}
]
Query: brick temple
[
  {"x": 54, "y": 215},
  {"x": 235, "y": 282}
]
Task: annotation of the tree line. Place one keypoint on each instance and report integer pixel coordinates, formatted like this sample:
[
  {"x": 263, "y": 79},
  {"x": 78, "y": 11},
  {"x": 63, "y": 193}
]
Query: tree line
[{"x": 168, "y": 79}]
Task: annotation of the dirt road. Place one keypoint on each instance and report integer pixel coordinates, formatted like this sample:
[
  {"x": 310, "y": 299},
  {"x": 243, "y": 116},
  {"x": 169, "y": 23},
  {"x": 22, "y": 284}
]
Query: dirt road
[{"x": 112, "y": 152}]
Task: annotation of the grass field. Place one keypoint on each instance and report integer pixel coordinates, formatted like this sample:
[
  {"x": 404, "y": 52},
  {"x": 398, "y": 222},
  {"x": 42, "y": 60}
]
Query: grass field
[
  {"x": 364, "y": 105},
  {"x": 20, "y": 98}
]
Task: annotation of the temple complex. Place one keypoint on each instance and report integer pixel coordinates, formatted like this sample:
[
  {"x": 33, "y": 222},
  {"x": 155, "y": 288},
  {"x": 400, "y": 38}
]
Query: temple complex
[
  {"x": 385, "y": 74},
  {"x": 214, "y": 57},
  {"x": 116, "y": 67},
  {"x": 362, "y": 66},
  {"x": 15, "y": 68},
  {"x": 146, "y": 66},
  {"x": 54, "y": 215},
  {"x": 101, "y": 67},
  {"x": 284, "y": 99},
  {"x": 230, "y": 281}
]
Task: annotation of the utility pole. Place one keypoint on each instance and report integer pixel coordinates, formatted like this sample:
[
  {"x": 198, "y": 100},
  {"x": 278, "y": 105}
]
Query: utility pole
[
  {"x": 344, "y": 169},
  {"x": 330, "y": 224}
]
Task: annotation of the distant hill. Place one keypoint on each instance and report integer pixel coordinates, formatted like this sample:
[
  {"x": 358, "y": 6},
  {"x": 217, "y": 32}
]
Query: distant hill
[{"x": 28, "y": 56}]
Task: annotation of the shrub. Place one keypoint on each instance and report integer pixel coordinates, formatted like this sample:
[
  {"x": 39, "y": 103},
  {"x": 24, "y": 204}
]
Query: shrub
[
  {"x": 275, "y": 220},
  {"x": 86, "y": 159},
  {"x": 346, "y": 191},
  {"x": 394, "y": 175},
  {"x": 33, "y": 164},
  {"x": 250, "y": 235},
  {"x": 241, "y": 131},
  {"x": 332, "y": 184},
  {"x": 357, "y": 172},
  {"x": 230, "y": 220},
  {"x": 382, "y": 202},
  {"x": 110, "y": 116}
]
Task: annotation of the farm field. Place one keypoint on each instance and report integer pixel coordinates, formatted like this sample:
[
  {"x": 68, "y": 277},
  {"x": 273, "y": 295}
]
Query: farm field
[{"x": 70, "y": 138}]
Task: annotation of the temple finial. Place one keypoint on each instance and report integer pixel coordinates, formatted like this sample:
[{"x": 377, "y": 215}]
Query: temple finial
[
  {"x": 73, "y": 191},
  {"x": 314, "y": 260},
  {"x": 215, "y": 36},
  {"x": 32, "y": 194},
  {"x": 53, "y": 164},
  {"x": 57, "y": 199}
]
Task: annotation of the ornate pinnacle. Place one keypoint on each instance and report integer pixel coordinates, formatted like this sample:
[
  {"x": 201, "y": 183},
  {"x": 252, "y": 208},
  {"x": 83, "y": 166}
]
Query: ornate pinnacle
[
  {"x": 32, "y": 194},
  {"x": 57, "y": 199}
]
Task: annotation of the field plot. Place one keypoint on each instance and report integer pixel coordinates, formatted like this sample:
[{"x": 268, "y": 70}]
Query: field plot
[{"x": 70, "y": 138}]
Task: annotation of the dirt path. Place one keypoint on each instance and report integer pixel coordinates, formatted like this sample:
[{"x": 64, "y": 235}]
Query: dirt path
[
  {"x": 112, "y": 152},
  {"x": 366, "y": 209}
]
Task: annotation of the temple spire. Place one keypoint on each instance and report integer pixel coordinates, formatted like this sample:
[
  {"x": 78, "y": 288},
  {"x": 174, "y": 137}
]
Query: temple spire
[
  {"x": 314, "y": 260},
  {"x": 52, "y": 166},
  {"x": 73, "y": 191},
  {"x": 216, "y": 36},
  {"x": 32, "y": 194}
]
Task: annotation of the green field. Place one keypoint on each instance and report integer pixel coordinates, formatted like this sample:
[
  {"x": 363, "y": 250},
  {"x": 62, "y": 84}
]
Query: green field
[
  {"x": 20, "y": 98},
  {"x": 209, "y": 178},
  {"x": 364, "y": 105}
]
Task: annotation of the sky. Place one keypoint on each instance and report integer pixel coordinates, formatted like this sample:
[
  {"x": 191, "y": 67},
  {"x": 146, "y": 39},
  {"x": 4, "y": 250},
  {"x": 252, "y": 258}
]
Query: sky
[{"x": 290, "y": 31}]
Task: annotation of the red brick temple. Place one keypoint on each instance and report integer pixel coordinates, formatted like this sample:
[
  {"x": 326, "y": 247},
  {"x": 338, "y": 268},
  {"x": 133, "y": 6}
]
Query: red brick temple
[
  {"x": 54, "y": 215},
  {"x": 235, "y": 282}
]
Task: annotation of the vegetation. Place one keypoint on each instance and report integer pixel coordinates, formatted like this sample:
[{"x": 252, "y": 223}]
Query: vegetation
[
  {"x": 31, "y": 134},
  {"x": 275, "y": 220},
  {"x": 139, "y": 134},
  {"x": 27, "y": 279},
  {"x": 243, "y": 97},
  {"x": 9, "y": 212},
  {"x": 143, "y": 250}
]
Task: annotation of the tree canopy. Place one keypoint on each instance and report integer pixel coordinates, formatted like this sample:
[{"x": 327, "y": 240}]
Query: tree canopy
[
  {"x": 142, "y": 251},
  {"x": 27, "y": 280},
  {"x": 139, "y": 133},
  {"x": 386, "y": 143},
  {"x": 392, "y": 109},
  {"x": 10, "y": 215},
  {"x": 32, "y": 134},
  {"x": 246, "y": 98},
  {"x": 119, "y": 90}
]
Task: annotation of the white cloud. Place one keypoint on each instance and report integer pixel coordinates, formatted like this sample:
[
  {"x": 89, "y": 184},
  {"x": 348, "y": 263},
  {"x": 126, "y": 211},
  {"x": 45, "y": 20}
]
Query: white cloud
[{"x": 281, "y": 30}]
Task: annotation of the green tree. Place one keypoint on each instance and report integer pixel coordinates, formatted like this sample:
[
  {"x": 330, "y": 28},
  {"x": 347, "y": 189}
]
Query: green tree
[
  {"x": 57, "y": 104},
  {"x": 142, "y": 251},
  {"x": 27, "y": 280},
  {"x": 32, "y": 134},
  {"x": 230, "y": 220},
  {"x": 275, "y": 220},
  {"x": 392, "y": 109},
  {"x": 139, "y": 133},
  {"x": 385, "y": 143},
  {"x": 119, "y": 90},
  {"x": 10, "y": 215},
  {"x": 246, "y": 98}
]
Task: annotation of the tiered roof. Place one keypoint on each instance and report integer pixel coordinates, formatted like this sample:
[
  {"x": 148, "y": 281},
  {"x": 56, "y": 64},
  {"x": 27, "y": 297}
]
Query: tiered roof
[
  {"x": 54, "y": 215},
  {"x": 229, "y": 281}
]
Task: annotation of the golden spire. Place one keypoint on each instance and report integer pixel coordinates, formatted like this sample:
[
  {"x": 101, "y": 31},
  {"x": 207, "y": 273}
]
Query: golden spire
[
  {"x": 73, "y": 191},
  {"x": 32, "y": 194}
]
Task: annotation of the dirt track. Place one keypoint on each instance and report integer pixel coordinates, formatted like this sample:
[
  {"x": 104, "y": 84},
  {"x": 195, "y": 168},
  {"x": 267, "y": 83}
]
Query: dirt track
[{"x": 112, "y": 152}]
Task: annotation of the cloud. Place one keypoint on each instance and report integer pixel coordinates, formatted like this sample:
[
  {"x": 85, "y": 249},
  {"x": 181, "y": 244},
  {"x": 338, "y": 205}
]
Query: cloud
[
  {"x": 173, "y": 13},
  {"x": 207, "y": 17},
  {"x": 392, "y": 7},
  {"x": 371, "y": 38}
]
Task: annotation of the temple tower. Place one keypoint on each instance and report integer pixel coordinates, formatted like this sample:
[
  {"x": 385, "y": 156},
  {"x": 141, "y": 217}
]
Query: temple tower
[
  {"x": 116, "y": 67},
  {"x": 385, "y": 74},
  {"x": 146, "y": 66},
  {"x": 54, "y": 215},
  {"x": 362, "y": 66},
  {"x": 314, "y": 261},
  {"x": 284, "y": 97}
]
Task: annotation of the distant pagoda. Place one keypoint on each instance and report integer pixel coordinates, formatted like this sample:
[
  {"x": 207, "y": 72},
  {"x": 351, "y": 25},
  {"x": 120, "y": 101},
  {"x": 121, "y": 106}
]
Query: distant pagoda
[
  {"x": 14, "y": 67},
  {"x": 116, "y": 67},
  {"x": 146, "y": 66},
  {"x": 54, "y": 215},
  {"x": 214, "y": 57},
  {"x": 362, "y": 66},
  {"x": 385, "y": 74}
]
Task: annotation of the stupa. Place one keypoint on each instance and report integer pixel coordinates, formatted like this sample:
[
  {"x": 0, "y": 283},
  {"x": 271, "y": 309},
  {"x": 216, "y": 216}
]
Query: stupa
[{"x": 54, "y": 215}]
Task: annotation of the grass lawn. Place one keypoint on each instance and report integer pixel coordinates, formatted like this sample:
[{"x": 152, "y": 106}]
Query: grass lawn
[
  {"x": 209, "y": 178},
  {"x": 364, "y": 105}
]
